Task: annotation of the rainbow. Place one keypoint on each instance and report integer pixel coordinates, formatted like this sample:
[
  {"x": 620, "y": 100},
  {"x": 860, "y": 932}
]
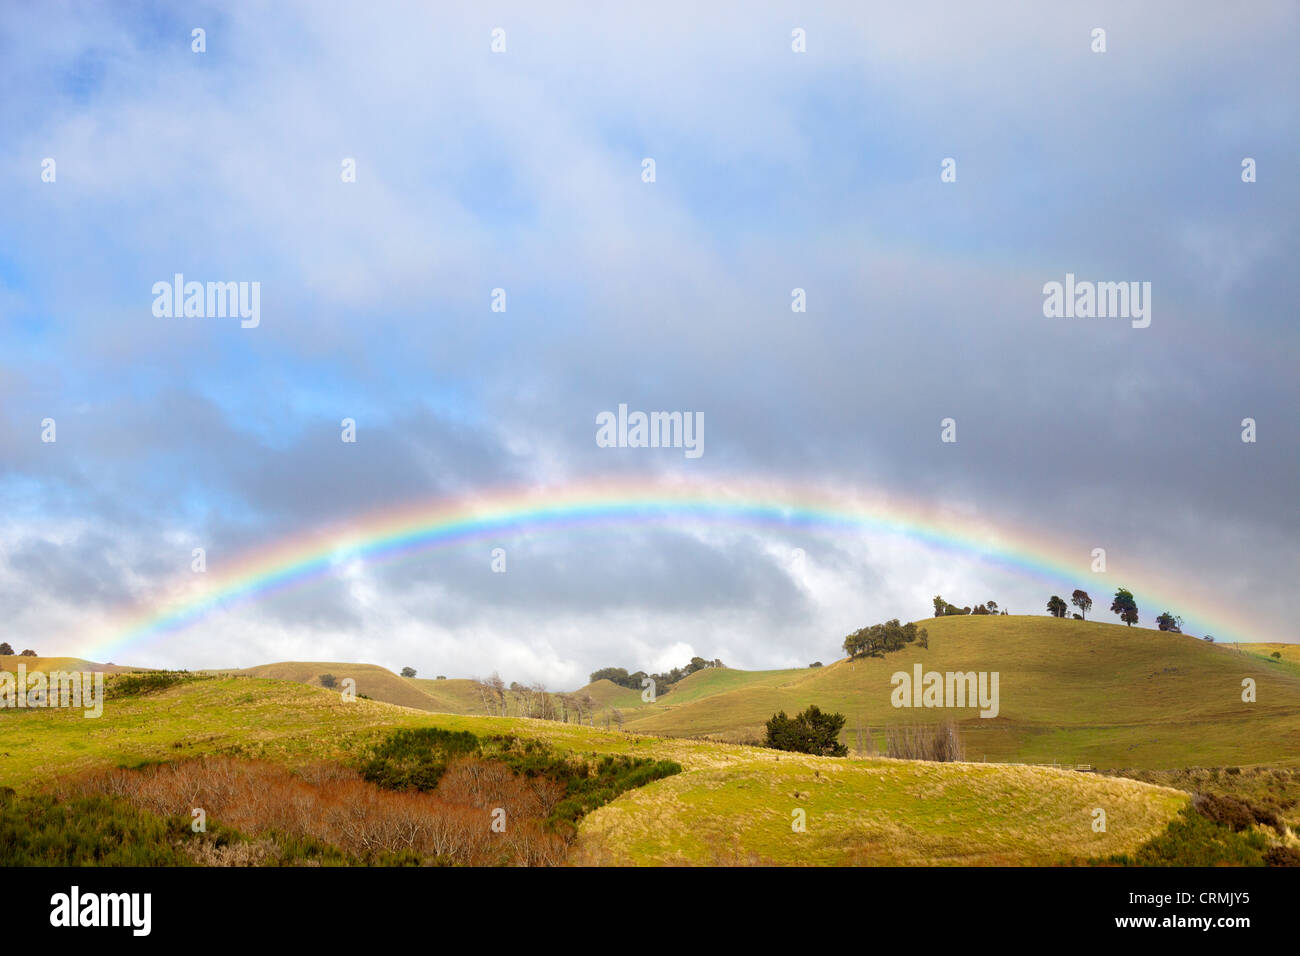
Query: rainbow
[{"x": 393, "y": 533}]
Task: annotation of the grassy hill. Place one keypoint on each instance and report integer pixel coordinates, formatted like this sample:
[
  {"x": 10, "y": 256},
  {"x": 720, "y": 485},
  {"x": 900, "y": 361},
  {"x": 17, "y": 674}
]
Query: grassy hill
[
  {"x": 454, "y": 695},
  {"x": 730, "y": 804},
  {"x": 1288, "y": 654},
  {"x": 1070, "y": 691},
  {"x": 373, "y": 681},
  {"x": 871, "y": 812},
  {"x": 608, "y": 695},
  {"x": 10, "y": 663}
]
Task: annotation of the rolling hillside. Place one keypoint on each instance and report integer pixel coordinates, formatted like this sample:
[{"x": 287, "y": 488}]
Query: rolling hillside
[
  {"x": 1288, "y": 658},
  {"x": 730, "y": 804},
  {"x": 373, "y": 681},
  {"x": 1070, "y": 691},
  {"x": 10, "y": 663}
]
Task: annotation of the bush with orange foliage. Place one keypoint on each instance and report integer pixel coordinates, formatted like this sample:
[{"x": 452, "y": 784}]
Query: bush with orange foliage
[{"x": 333, "y": 804}]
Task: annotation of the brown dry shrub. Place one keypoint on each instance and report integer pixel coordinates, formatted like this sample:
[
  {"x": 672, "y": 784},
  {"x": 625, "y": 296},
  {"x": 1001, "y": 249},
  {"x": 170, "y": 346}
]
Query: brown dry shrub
[
  {"x": 257, "y": 853},
  {"x": 941, "y": 742},
  {"x": 1282, "y": 856},
  {"x": 1235, "y": 813},
  {"x": 488, "y": 784},
  {"x": 336, "y": 806}
]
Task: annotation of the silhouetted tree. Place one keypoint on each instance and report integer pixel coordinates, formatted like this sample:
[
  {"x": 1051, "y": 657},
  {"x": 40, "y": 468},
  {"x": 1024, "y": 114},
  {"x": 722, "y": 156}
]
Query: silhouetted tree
[
  {"x": 1081, "y": 600},
  {"x": 1056, "y": 607},
  {"x": 1125, "y": 606},
  {"x": 6, "y": 650},
  {"x": 408, "y": 671},
  {"x": 1167, "y": 622}
]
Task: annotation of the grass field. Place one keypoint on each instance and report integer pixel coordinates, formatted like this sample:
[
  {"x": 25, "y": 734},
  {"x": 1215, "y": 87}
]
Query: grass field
[
  {"x": 1073, "y": 692},
  {"x": 874, "y": 812},
  {"x": 1156, "y": 708},
  {"x": 1288, "y": 659},
  {"x": 731, "y": 803}
]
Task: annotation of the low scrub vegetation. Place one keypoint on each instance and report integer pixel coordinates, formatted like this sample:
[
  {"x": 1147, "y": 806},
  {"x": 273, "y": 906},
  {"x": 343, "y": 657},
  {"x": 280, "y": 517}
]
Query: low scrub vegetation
[
  {"x": 568, "y": 786},
  {"x": 41, "y": 830},
  {"x": 121, "y": 686},
  {"x": 423, "y": 796},
  {"x": 940, "y": 742},
  {"x": 329, "y": 806},
  {"x": 416, "y": 759},
  {"x": 1217, "y": 829},
  {"x": 1274, "y": 791},
  {"x": 1192, "y": 839}
]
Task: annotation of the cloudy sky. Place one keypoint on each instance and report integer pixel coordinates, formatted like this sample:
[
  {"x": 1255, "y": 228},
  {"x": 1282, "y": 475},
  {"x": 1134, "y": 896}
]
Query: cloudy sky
[{"x": 523, "y": 170}]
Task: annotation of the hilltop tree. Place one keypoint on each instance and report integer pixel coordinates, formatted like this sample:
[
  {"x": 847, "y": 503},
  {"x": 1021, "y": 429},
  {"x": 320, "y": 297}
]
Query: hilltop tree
[
  {"x": 1167, "y": 622},
  {"x": 991, "y": 606},
  {"x": 1056, "y": 607},
  {"x": 943, "y": 608},
  {"x": 810, "y": 732},
  {"x": 408, "y": 671},
  {"x": 1125, "y": 606},
  {"x": 879, "y": 639},
  {"x": 6, "y": 650},
  {"x": 1081, "y": 600}
]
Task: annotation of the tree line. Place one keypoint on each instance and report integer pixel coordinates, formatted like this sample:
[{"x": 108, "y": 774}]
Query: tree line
[
  {"x": 662, "y": 682},
  {"x": 1124, "y": 604},
  {"x": 942, "y": 608}
]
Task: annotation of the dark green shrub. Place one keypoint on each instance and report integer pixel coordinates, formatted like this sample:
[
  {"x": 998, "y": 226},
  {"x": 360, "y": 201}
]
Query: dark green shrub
[
  {"x": 1192, "y": 839},
  {"x": 811, "y": 732},
  {"x": 415, "y": 759},
  {"x": 138, "y": 685}
]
